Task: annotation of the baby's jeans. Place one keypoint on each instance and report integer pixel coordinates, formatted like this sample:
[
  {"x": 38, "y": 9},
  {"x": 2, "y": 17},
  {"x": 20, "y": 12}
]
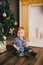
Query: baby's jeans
[{"x": 19, "y": 52}]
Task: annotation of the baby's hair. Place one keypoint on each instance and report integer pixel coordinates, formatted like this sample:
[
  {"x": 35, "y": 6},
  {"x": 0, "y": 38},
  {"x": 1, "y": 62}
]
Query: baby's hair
[{"x": 20, "y": 28}]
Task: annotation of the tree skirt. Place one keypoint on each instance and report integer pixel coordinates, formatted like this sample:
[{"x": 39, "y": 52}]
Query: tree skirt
[{"x": 2, "y": 47}]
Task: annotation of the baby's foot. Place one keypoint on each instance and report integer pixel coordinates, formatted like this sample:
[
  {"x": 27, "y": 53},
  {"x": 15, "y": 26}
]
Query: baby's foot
[
  {"x": 30, "y": 54},
  {"x": 33, "y": 53},
  {"x": 22, "y": 55}
]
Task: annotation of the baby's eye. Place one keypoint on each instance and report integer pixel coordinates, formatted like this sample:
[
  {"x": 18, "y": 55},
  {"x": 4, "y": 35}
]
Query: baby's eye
[{"x": 21, "y": 32}]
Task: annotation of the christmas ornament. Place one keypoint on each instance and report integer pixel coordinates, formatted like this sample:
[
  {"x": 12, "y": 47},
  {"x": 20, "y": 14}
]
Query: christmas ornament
[
  {"x": 4, "y": 14},
  {"x": 3, "y": 3},
  {"x": 4, "y": 37},
  {"x": 8, "y": 18},
  {"x": 11, "y": 30},
  {"x": 15, "y": 23}
]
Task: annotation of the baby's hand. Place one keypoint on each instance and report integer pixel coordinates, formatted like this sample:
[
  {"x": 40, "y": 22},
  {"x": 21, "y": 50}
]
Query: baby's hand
[
  {"x": 18, "y": 48},
  {"x": 26, "y": 44}
]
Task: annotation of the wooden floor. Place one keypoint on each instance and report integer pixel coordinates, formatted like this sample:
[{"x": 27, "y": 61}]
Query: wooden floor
[{"x": 9, "y": 58}]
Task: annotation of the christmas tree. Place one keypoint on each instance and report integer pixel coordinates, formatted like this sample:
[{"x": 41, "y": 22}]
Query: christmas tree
[{"x": 8, "y": 25}]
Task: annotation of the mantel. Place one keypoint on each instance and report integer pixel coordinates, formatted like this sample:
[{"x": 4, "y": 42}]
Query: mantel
[{"x": 27, "y": 2}]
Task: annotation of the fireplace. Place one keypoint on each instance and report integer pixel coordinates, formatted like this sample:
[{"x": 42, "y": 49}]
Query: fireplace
[
  {"x": 36, "y": 25},
  {"x": 35, "y": 21}
]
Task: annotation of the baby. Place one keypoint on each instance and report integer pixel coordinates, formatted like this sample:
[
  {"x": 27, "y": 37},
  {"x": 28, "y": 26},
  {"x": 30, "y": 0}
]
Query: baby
[{"x": 20, "y": 43}]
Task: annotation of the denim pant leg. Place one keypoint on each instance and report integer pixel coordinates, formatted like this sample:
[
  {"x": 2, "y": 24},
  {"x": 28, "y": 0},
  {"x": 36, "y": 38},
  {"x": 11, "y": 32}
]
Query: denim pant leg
[
  {"x": 18, "y": 52},
  {"x": 27, "y": 49}
]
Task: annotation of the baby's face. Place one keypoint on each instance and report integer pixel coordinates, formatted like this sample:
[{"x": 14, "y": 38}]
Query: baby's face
[{"x": 21, "y": 33}]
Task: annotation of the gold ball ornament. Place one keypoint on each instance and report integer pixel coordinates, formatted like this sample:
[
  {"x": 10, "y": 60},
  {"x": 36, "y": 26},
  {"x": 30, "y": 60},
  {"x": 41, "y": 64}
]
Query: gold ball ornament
[
  {"x": 4, "y": 14},
  {"x": 15, "y": 23}
]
